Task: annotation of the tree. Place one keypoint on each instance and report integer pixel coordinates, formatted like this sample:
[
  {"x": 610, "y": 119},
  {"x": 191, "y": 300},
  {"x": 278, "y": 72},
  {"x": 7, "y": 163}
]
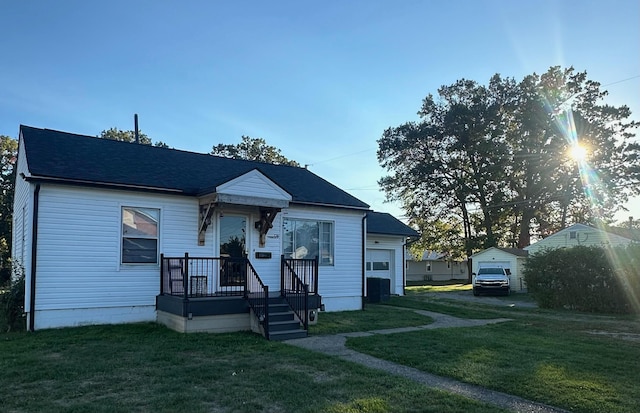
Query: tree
[
  {"x": 492, "y": 160},
  {"x": 254, "y": 149},
  {"x": 116, "y": 134},
  {"x": 8, "y": 153},
  {"x": 553, "y": 113}
]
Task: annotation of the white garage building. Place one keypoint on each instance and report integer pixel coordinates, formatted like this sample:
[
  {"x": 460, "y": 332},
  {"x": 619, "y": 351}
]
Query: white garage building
[
  {"x": 386, "y": 249},
  {"x": 511, "y": 259}
]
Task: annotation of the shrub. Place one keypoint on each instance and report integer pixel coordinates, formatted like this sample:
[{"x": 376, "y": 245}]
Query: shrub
[
  {"x": 12, "y": 302},
  {"x": 595, "y": 279}
]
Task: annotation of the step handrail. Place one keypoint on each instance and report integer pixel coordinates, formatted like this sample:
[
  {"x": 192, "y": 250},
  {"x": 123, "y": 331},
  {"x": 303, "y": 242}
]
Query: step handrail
[
  {"x": 294, "y": 291},
  {"x": 257, "y": 295}
]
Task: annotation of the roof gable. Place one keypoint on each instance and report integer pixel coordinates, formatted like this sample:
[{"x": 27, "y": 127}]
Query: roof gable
[
  {"x": 79, "y": 159},
  {"x": 511, "y": 251}
]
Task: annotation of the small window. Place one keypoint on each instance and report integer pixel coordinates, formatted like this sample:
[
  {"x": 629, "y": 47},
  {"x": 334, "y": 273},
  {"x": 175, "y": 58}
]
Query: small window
[
  {"x": 140, "y": 235},
  {"x": 573, "y": 234},
  {"x": 428, "y": 267},
  {"x": 368, "y": 266},
  {"x": 380, "y": 266}
]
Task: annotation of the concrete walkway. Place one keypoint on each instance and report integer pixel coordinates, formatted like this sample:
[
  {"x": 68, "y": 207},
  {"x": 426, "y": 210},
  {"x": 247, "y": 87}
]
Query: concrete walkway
[{"x": 335, "y": 345}]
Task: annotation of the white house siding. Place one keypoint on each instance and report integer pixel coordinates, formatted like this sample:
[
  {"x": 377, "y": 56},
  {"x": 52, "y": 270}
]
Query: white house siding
[
  {"x": 584, "y": 235},
  {"x": 267, "y": 268},
  {"x": 340, "y": 285},
  {"x": 79, "y": 276},
  {"x": 22, "y": 217},
  {"x": 396, "y": 246},
  {"x": 418, "y": 271}
]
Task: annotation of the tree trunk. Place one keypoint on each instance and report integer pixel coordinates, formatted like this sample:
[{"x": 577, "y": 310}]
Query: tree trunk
[{"x": 524, "y": 239}]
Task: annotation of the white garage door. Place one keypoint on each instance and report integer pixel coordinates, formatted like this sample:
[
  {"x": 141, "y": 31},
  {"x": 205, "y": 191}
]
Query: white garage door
[
  {"x": 379, "y": 263},
  {"x": 493, "y": 264}
]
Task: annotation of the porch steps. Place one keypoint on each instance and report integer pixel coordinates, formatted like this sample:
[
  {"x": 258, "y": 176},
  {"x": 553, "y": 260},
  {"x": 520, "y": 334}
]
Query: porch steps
[{"x": 283, "y": 324}]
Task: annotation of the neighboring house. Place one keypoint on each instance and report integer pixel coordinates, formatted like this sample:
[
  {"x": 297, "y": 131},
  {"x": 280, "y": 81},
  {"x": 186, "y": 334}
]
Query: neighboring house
[
  {"x": 581, "y": 234},
  {"x": 116, "y": 232},
  {"x": 511, "y": 259},
  {"x": 386, "y": 249},
  {"x": 435, "y": 266}
]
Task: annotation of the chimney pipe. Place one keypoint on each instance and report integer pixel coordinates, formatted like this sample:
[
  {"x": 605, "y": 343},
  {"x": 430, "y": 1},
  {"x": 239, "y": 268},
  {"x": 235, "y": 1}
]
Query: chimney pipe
[{"x": 135, "y": 121}]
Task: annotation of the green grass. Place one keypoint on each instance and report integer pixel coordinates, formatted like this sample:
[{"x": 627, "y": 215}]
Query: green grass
[
  {"x": 374, "y": 317},
  {"x": 147, "y": 368},
  {"x": 551, "y": 357}
]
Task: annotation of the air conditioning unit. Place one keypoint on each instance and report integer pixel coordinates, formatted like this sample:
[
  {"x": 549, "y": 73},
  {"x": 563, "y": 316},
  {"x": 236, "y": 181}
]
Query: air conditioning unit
[{"x": 312, "y": 317}]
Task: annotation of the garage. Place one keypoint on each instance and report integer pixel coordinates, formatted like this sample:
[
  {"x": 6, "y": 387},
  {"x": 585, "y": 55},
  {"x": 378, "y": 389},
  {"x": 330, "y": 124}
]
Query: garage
[
  {"x": 379, "y": 263},
  {"x": 496, "y": 264},
  {"x": 511, "y": 259}
]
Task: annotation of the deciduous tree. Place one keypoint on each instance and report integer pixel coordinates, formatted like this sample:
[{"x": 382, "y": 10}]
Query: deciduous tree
[{"x": 254, "y": 149}]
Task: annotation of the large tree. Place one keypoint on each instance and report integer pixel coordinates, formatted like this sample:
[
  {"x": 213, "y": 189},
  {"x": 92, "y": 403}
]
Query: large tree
[
  {"x": 116, "y": 134},
  {"x": 254, "y": 149},
  {"x": 8, "y": 152},
  {"x": 494, "y": 161}
]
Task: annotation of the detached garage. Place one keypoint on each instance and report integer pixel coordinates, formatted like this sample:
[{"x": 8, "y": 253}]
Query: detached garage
[
  {"x": 511, "y": 259},
  {"x": 385, "y": 252}
]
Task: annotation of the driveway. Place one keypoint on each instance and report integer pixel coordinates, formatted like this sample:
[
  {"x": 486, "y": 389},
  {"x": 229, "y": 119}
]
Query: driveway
[{"x": 514, "y": 300}]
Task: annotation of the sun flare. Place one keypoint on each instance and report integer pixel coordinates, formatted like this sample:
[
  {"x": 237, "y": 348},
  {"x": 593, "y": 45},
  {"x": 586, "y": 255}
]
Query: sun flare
[{"x": 578, "y": 153}]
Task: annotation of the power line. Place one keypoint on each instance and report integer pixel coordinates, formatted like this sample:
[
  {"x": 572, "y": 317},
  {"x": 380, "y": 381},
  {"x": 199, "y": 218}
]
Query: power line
[
  {"x": 339, "y": 157},
  {"x": 620, "y": 81}
]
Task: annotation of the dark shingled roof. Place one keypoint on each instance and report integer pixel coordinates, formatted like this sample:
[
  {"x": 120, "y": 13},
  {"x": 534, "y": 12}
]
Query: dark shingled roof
[
  {"x": 84, "y": 159},
  {"x": 386, "y": 224},
  {"x": 515, "y": 251}
]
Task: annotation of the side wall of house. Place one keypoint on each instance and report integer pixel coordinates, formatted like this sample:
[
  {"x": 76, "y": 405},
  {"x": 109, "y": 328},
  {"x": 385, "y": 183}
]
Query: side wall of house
[
  {"x": 396, "y": 246},
  {"x": 22, "y": 222},
  {"x": 440, "y": 270},
  {"x": 80, "y": 279},
  {"x": 340, "y": 284}
]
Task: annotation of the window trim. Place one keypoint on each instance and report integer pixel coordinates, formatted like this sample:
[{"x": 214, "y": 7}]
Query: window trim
[
  {"x": 332, "y": 240},
  {"x": 122, "y": 236}
]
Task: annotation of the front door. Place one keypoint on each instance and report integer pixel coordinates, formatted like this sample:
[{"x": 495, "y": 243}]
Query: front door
[{"x": 233, "y": 250}]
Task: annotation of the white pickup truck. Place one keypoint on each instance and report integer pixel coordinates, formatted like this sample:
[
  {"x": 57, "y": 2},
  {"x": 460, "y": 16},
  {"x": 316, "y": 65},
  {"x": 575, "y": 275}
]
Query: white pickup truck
[{"x": 491, "y": 279}]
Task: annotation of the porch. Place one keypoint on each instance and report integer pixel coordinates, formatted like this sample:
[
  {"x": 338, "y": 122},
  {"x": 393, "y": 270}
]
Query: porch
[{"x": 220, "y": 294}]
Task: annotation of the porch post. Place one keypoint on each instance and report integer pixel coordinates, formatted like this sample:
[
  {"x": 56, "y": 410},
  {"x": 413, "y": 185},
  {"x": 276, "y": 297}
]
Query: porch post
[
  {"x": 161, "y": 273},
  {"x": 185, "y": 276}
]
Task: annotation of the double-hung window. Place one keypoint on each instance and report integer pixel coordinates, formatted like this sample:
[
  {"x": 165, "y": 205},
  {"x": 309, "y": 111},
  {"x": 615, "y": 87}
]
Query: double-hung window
[
  {"x": 140, "y": 235},
  {"x": 305, "y": 238}
]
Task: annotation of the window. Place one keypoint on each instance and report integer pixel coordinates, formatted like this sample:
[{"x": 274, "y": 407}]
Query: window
[
  {"x": 428, "y": 267},
  {"x": 308, "y": 239},
  {"x": 573, "y": 234},
  {"x": 380, "y": 266},
  {"x": 140, "y": 235}
]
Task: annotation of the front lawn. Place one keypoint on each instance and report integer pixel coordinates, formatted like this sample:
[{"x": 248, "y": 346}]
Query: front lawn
[
  {"x": 583, "y": 363},
  {"x": 374, "y": 317},
  {"x": 148, "y": 368}
]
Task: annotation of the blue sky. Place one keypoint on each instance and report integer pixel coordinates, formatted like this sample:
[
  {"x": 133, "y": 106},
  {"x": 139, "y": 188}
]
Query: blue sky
[{"x": 319, "y": 80}]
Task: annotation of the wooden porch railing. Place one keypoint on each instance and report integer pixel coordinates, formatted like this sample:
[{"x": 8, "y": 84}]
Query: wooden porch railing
[{"x": 298, "y": 277}]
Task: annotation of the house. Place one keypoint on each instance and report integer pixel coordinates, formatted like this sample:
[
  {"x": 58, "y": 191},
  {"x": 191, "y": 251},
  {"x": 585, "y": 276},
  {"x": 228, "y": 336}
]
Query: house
[
  {"x": 436, "y": 266},
  {"x": 581, "y": 234},
  {"x": 511, "y": 259},
  {"x": 116, "y": 232},
  {"x": 386, "y": 249}
]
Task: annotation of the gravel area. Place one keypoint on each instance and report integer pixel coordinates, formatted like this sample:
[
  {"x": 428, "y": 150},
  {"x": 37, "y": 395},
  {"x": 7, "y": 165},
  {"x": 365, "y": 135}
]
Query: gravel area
[{"x": 335, "y": 345}]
